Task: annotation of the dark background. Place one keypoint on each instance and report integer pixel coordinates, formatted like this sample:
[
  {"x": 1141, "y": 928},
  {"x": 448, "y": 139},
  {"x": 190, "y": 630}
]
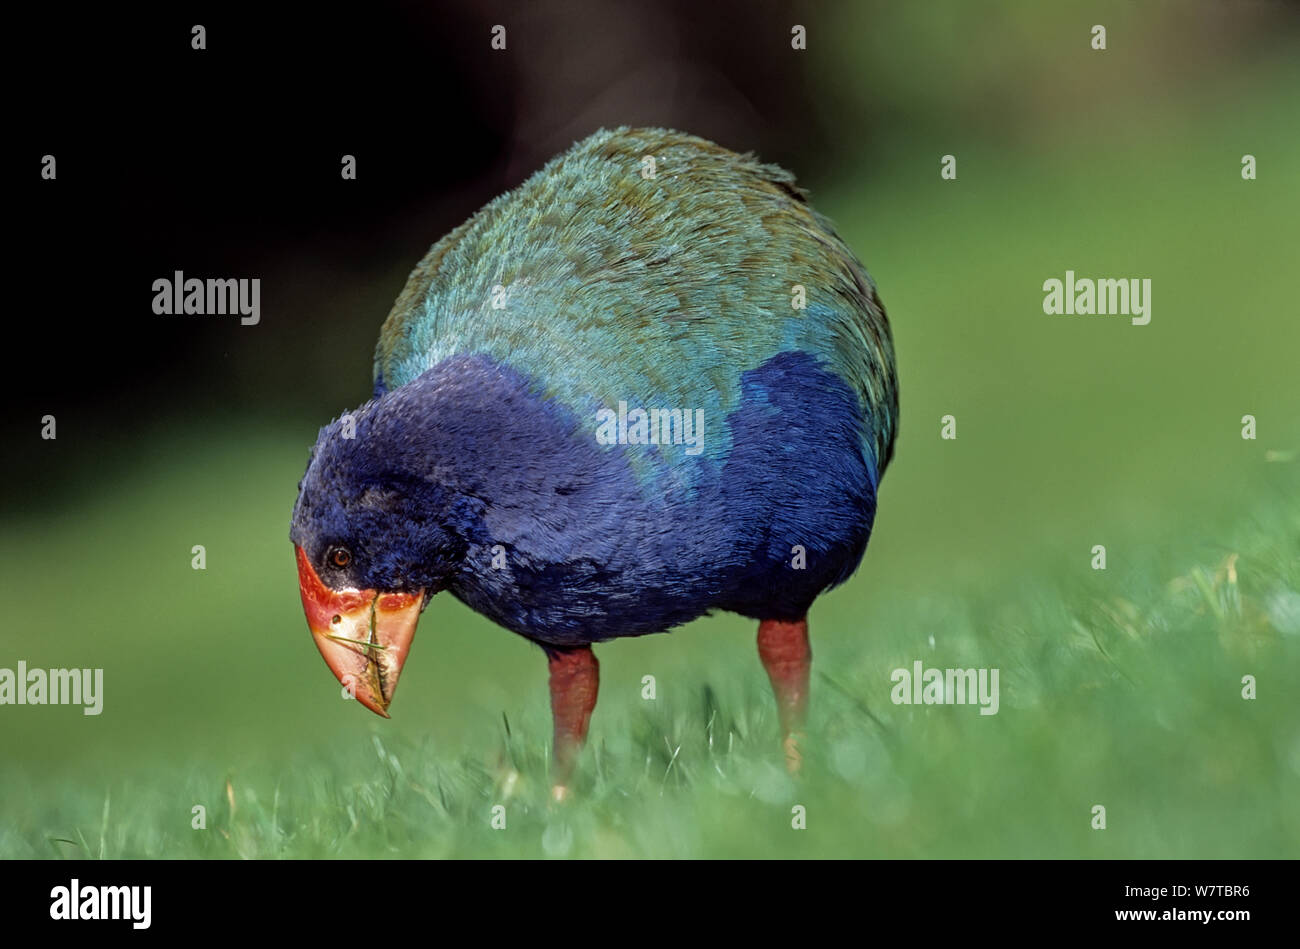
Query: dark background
[{"x": 225, "y": 162}]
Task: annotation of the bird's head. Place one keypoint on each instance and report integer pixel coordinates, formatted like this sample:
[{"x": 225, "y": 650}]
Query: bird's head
[{"x": 375, "y": 539}]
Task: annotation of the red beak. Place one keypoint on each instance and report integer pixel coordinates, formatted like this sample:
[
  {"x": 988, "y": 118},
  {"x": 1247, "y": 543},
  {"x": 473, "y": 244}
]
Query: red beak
[{"x": 364, "y": 635}]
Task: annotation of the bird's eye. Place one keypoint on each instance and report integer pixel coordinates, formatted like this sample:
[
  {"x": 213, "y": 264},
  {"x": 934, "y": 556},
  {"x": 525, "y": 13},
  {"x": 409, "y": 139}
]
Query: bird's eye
[{"x": 340, "y": 557}]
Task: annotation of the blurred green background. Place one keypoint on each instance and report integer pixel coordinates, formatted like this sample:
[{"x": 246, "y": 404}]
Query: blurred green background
[{"x": 1119, "y": 688}]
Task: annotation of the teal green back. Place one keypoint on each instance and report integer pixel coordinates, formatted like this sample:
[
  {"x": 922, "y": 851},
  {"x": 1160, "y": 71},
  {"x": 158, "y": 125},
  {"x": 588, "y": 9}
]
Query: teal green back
[{"x": 605, "y": 285}]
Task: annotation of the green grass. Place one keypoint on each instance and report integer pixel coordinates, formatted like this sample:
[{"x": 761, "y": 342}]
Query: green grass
[{"x": 1119, "y": 687}]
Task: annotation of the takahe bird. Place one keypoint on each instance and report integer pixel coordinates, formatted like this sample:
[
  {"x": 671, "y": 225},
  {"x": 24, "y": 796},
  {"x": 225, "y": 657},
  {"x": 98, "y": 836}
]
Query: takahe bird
[{"x": 648, "y": 383}]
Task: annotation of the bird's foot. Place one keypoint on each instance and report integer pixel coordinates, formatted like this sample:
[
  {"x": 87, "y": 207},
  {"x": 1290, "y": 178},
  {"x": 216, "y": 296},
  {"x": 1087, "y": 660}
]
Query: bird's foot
[{"x": 793, "y": 756}]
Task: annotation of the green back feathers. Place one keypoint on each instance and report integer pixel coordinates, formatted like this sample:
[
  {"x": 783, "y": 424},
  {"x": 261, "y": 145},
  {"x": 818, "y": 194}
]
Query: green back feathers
[{"x": 604, "y": 285}]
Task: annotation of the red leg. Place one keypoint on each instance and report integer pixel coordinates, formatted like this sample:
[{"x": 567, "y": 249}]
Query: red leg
[
  {"x": 575, "y": 677},
  {"x": 783, "y": 647}
]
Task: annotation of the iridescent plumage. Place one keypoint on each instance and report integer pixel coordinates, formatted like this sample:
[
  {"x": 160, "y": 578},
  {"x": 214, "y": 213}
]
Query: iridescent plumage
[
  {"x": 612, "y": 285},
  {"x": 596, "y": 283},
  {"x": 645, "y": 270}
]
